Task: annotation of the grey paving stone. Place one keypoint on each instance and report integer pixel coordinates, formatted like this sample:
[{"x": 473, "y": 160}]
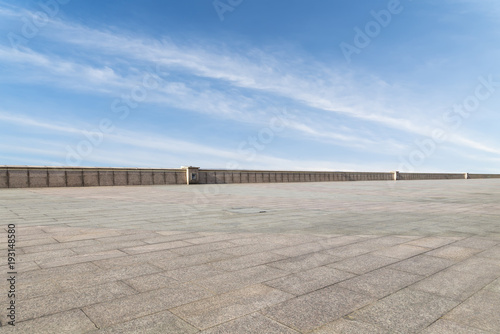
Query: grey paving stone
[
  {"x": 432, "y": 242},
  {"x": 78, "y": 234},
  {"x": 401, "y": 251},
  {"x": 304, "y": 262},
  {"x": 340, "y": 241},
  {"x": 347, "y": 326},
  {"x": 252, "y": 323},
  {"x": 46, "y": 256},
  {"x": 493, "y": 252},
  {"x": 494, "y": 286},
  {"x": 107, "y": 246},
  {"x": 179, "y": 232},
  {"x": 74, "y": 321},
  {"x": 477, "y": 242},
  {"x": 251, "y": 249},
  {"x": 308, "y": 281},
  {"x": 191, "y": 260},
  {"x": 454, "y": 284},
  {"x": 479, "y": 311},
  {"x": 407, "y": 311},
  {"x": 317, "y": 308},
  {"x": 55, "y": 262},
  {"x": 139, "y": 235},
  {"x": 27, "y": 238},
  {"x": 151, "y": 282},
  {"x": 154, "y": 258},
  {"x": 380, "y": 282},
  {"x": 240, "y": 278},
  {"x": 56, "y": 272},
  {"x": 388, "y": 240},
  {"x": 352, "y": 250},
  {"x": 135, "y": 306},
  {"x": 279, "y": 239},
  {"x": 65, "y": 282},
  {"x": 422, "y": 265},
  {"x": 299, "y": 249},
  {"x": 202, "y": 248},
  {"x": 59, "y": 245},
  {"x": 64, "y": 301},
  {"x": 36, "y": 242},
  {"x": 247, "y": 261},
  {"x": 162, "y": 322},
  {"x": 155, "y": 247},
  {"x": 454, "y": 252},
  {"x": 483, "y": 267},
  {"x": 363, "y": 263},
  {"x": 193, "y": 273},
  {"x": 173, "y": 236},
  {"x": 221, "y": 308},
  {"x": 216, "y": 238},
  {"x": 59, "y": 229},
  {"x": 448, "y": 327},
  {"x": 34, "y": 231}
]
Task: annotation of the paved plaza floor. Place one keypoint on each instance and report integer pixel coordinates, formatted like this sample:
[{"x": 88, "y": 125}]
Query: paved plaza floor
[{"x": 326, "y": 257}]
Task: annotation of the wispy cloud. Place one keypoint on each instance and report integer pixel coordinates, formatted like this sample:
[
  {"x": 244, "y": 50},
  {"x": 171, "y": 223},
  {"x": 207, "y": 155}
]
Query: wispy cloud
[
  {"x": 154, "y": 150},
  {"x": 210, "y": 78},
  {"x": 199, "y": 98}
]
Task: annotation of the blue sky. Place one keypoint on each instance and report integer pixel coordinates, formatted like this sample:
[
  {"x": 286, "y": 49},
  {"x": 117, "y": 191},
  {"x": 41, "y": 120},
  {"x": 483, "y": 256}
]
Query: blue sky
[{"x": 251, "y": 84}]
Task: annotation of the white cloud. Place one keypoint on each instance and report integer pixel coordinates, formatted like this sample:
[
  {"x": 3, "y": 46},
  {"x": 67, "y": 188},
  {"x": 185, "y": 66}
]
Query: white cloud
[{"x": 358, "y": 99}]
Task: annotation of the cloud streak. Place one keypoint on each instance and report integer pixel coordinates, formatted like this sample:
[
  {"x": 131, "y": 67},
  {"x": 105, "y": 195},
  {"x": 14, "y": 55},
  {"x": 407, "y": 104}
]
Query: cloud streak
[{"x": 210, "y": 78}]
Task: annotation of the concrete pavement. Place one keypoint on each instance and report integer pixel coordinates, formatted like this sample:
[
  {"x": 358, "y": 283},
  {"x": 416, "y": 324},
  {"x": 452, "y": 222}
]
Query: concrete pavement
[{"x": 329, "y": 257}]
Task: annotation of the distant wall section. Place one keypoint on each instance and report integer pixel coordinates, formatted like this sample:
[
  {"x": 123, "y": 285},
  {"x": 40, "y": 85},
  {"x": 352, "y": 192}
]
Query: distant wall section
[
  {"x": 484, "y": 176},
  {"x": 217, "y": 176},
  {"x": 37, "y": 177},
  {"x": 431, "y": 176}
]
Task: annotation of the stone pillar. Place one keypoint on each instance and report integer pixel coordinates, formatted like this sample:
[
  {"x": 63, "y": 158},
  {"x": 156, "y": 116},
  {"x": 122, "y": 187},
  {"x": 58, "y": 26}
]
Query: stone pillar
[
  {"x": 191, "y": 174},
  {"x": 395, "y": 175},
  {"x": 466, "y": 176}
]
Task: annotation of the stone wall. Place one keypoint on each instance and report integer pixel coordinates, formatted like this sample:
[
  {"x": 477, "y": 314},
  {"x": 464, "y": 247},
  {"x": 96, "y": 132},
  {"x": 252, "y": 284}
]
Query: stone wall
[
  {"x": 33, "y": 177},
  {"x": 484, "y": 176},
  {"x": 210, "y": 176},
  {"x": 430, "y": 176}
]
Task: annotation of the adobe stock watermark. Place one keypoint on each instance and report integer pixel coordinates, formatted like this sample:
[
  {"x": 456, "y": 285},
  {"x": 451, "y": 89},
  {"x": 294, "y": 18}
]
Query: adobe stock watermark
[
  {"x": 453, "y": 119},
  {"x": 32, "y": 25},
  {"x": 223, "y": 6},
  {"x": 371, "y": 30},
  {"x": 249, "y": 149},
  {"x": 121, "y": 107}
]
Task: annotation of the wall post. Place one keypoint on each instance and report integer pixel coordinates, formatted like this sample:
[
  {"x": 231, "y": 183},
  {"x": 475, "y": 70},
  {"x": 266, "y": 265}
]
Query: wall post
[{"x": 191, "y": 174}]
